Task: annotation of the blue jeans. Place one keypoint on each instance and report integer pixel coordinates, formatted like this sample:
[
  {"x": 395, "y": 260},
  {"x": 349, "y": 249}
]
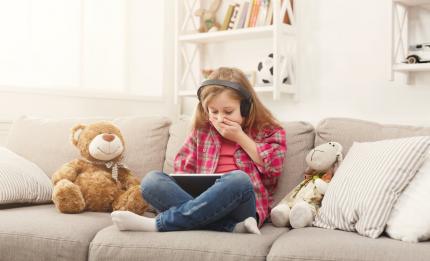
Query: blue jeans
[{"x": 229, "y": 201}]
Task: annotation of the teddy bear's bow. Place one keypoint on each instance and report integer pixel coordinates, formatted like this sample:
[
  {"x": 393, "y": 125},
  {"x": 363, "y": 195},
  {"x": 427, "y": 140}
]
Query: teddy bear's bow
[{"x": 114, "y": 166}]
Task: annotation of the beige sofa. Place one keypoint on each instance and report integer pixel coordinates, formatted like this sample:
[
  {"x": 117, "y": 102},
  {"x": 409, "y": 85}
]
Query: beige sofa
[{"x": 39, "y": 232}]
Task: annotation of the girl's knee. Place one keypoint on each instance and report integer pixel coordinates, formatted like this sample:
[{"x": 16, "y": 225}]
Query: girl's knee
[
  {"x": 151, "y": 180},
  {"x": 240, "y": 176},
  {"x": 239, "y": 180}
]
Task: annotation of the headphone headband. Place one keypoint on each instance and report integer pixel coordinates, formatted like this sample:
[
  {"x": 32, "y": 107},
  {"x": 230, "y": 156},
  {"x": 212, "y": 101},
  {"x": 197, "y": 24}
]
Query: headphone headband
[{"x": 233, "y": 85}]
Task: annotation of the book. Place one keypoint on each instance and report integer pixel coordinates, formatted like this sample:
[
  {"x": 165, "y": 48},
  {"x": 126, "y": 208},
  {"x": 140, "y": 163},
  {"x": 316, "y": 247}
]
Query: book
[
  {"x": 269, "y": 16},
  {"x": 240, "y": 22},
  {"x": 249, "y": 13},
  {"x": 227, "y": 17},
  {"x": 261, "y": 18},
  {"x": 233, "y": 17},
  {"x": 254, "y": 14}
]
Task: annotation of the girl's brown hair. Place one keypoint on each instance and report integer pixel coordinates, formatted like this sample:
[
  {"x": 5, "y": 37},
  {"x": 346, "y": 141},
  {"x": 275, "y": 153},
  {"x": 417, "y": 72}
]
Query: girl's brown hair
[{"x": 259, "y": 116}]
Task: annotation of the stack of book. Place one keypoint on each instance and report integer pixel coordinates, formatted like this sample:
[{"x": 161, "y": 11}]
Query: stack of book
[{"x": 250, "y": 14}]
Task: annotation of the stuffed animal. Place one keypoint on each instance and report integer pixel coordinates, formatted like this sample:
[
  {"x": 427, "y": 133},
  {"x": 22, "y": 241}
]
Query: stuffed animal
[
  {"x": 300, "y": 206},
  {"x": 206, "y": 73},
  {"x": 265, "y": 70},
  {"x": 207, "y": 17},
  {"x": 98, "y": 181}
]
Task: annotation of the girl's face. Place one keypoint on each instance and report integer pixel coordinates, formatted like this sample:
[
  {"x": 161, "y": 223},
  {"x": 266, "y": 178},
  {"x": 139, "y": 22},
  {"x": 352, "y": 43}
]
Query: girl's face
[{"x": 223, "y": 106}]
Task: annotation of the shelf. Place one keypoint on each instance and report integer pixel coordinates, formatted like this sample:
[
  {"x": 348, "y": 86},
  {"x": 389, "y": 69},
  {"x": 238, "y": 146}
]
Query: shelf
[
  {"x": 238, "y": 34},
  {"x": 401, "y": 67},
  {"x": 190, "y": 51},
  {"x": 399, "y": 45},
  {"x": 289, "y": 89},
  {"x": 413, "y": 2},
  {"x": 188, "y": 93}
]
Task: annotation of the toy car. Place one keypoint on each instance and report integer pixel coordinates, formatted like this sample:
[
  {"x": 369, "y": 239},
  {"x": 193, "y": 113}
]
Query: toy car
[{"x": 419, "y": 53}]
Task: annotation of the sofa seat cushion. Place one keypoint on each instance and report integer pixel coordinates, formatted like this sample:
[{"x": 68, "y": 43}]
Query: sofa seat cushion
[
  {"x": 325, "y": 244},
  {"x": 42, "y": 233},
  {"x": 111, "y": 244}
]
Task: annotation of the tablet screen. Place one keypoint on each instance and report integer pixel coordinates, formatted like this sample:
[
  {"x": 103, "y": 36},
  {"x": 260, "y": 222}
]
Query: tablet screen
[{"x": 195, "y": 184}]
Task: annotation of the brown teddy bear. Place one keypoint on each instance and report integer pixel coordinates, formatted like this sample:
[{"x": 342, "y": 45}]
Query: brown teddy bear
[{"x": 98, "y": 181}]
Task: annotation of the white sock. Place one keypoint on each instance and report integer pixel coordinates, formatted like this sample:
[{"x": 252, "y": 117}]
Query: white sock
[
  {"x": 249, "y": 225},
  {"x": 126, "y": 220}
]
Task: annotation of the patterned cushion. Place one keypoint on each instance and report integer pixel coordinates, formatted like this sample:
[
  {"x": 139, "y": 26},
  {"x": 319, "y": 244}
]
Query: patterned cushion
[
  {"x": 22, "y": 181},
  {"x": 368, "y": 182}
]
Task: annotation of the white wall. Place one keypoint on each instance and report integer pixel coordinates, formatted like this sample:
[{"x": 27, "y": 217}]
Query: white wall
[
  {"x": 343, "y": 47},
  {"x": 342, "y": 68},
  {"x": 124, "y": 47},
  {"x": 349, "y": 43},
  {"x": 13, "y": 105}
]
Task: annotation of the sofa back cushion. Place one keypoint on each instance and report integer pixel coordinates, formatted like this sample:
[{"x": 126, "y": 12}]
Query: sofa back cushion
[
  {"x": 46, "y": 142},
  {"x": 346, "y": 131},
  {"x": 178, "y": 132},
  {"x": 300, "y": 140}
]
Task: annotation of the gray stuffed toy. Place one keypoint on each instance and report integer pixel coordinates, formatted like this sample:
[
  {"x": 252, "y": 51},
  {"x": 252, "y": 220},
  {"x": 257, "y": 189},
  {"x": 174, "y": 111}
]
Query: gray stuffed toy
[{"x": 300, "y": 206}]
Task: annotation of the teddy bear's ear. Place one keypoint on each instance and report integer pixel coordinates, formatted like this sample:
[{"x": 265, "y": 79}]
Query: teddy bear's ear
[
  {"x": 76, "y": 132},
  {"x": 199, "y": 12},
  {"x": 215, "y": 5}
]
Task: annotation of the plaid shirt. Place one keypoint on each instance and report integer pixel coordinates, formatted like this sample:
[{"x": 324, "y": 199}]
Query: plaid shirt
[{"x": 200, "y": 154}]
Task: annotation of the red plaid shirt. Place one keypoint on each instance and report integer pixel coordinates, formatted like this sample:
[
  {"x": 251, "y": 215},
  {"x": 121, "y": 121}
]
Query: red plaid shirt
[{"x": 200, "y": 153}]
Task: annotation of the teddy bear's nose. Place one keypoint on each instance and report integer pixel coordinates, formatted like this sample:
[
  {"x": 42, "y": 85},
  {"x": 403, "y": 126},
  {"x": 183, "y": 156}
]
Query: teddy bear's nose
[{"x": 108, "y": 137}]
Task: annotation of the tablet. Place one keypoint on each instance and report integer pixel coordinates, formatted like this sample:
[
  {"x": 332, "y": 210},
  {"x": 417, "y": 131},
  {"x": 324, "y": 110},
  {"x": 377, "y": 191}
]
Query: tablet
[{"x": 195, "y": 184}]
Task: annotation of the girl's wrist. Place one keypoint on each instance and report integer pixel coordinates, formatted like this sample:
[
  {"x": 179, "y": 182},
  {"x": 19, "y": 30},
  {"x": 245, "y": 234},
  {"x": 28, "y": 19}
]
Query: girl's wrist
[
  {"x": 243, "y": 139},
  {"x": 250, "y": 147}
]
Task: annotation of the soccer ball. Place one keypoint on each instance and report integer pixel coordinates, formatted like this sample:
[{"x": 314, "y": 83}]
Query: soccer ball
[{"x": 265, "y": 71}]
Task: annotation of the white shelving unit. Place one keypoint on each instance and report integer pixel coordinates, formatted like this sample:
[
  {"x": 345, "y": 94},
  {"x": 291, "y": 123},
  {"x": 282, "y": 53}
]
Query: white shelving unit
[
  {"x": 189, "y": 43},
  {"x": 399, "y": 39},
  {"x": 239, "y": 34}
]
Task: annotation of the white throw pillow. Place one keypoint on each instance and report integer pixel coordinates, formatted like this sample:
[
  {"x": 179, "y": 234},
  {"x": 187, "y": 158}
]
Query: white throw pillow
[
  {"x": 367, "y": 184},
  {"x": 410, "y": 219},
  {"x": 22, "y": 181}
]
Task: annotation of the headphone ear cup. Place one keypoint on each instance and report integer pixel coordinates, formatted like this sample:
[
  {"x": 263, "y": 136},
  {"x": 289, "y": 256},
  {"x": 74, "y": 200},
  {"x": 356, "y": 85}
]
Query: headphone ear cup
[{"x": 245, "y": 106}]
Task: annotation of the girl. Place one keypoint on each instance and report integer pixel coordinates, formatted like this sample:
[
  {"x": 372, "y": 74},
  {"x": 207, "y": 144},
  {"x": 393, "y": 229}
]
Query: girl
[{"x": 233, "y": 133}]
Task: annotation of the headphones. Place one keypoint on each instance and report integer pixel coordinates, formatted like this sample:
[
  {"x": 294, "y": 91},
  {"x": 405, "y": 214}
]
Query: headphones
[{"x": 245, "y": 103}]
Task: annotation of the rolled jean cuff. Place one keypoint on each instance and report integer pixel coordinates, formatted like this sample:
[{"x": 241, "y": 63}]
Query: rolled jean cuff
[
  {"x": 230, "y": 227},
  {"x": 159, "y": 224}
]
